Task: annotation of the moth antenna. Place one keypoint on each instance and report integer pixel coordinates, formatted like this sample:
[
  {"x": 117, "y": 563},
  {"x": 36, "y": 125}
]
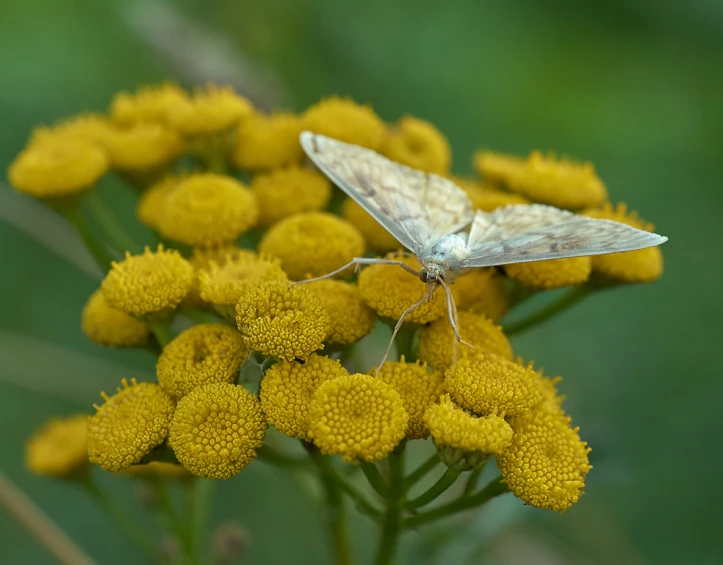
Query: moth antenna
[{"x": 357, "y": 262}]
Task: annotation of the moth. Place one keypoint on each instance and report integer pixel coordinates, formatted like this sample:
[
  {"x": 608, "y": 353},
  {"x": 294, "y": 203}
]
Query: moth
[{"x": 433, "y": 218}]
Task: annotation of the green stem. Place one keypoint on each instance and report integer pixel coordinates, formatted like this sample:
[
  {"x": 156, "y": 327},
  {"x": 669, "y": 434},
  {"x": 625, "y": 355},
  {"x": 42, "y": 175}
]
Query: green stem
[
  {"x": 161, "y": 329},
  {"x": 119, "y": 238},
  {"x": 444, "y": 482},
  {"x": 494, "y": 488},
  {"x": 274, "y": 457},
  {"x": 567, "y": 300},
  {"x": 96, "y": 248},
  {"x": 371, "y": 472},
  {"x": 392, "y": 525},
  {"x": 199, "y": 509},
  {"x": 420, "y": 472},
  {"x": 471, "y": 484},
  {"x": 168, "y": 509},
  {"x": 335, "y": 519}
]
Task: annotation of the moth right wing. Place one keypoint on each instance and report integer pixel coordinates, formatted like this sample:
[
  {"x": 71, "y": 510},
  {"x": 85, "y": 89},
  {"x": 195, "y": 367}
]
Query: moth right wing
[{"x": 415, "y": 207}]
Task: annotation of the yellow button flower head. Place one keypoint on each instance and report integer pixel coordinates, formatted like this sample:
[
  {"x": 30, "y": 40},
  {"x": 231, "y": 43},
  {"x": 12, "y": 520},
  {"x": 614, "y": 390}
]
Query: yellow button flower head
[
  {"x": 481, "y": 291},
  {"x": 562, "y": 183},
  {"x": 642, "y": 266},
  {"x": 351, "y": 319},
  {"x": 345, "y": 120},
  {"x": 109, "y": 327},
  {"x": 150, "y": 283},
  {"x": 485, "y": 383},
  {"x": 201, "y": 259},
  {"x": 152, "y": 202},
  {"x": 95, "y": 128},
  {"x": 217, "y": 429},
  {"x": 389, "y": 291},
  {"x": 288, "y": 388},
  {"x": 202, "y": 354},
  {"x": 148, "y": 104},
  {"x": 376, "y": 236},
  {"x": 486, "y": 197},
  {"x": 497, "y": 168},
  {"x": 211, "y": 110},
  {"x": 207, "y": 210},
  {"x": 284, "y": 192},
  {"x": 129, "y": 425},
  {"x": 551, "y": 399},
  {"x": 436, "y": 341},
  {"x": 547, "y": 462},
  {"x": 553, "y": 273},
  {"x": 418, "y": 144},
  {"x": 57, "y": 166},
  {"x": 312, "y": 244},
  {"x": 268, "y": 142},
  {"x": 282, "y": 321},
  {"x": 357, "y": 417},
  {"x": 143, "y": 147},
  {"x": 419, "y": 388},
  {"x": 59, "y": 448}
]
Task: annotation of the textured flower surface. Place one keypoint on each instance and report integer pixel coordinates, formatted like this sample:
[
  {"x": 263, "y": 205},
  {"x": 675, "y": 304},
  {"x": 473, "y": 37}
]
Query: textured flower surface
[
  {"x": 152, "y": 202},
  {"x": 553, "y": 273},
  {"x": 350, "y": 318},
  {"x": 377, "y": 238},
  {"x": 357, "y": 417},
  {"x": 109, "y": 327},
  {"x": 481, "y": 291},
  {"x": 129, "y": 425},
  {"x": 217, "y": 429},
  {"x": 497, "y": 168},
  {"x": 288, "y": 388},
  {"x": 143, "y": 147},
  {"x": 210, "y": 110},
  {"x": 89, "y": 127},
  {"x": 418, "y": 144},
  {"x": 268, "y": 142},
  {"x": 345, "y": 120},
  {"x": 59, "y": 448},
  {"x": 148, "y": 104}
]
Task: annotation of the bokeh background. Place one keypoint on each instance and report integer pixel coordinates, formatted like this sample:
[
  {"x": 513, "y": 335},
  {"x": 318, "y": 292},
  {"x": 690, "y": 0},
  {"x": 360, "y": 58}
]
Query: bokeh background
[{"x": 635, "y": 86}]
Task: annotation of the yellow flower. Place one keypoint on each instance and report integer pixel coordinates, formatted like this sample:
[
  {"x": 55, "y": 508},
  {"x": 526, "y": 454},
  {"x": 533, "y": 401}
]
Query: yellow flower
[
  {"x": 202, "y": 354},
  {"x": 148, "y": 104},
  {"x": 284, "y": 192},
  {"x": 485, "y": 383},
  {"x": 547, "y": 462},
  {"x": 57, "y": 166},
  {"x": 59, "y": 448},
  {"x": 312, "y": 244},
  {"x": 481, "y": 291},
  {"x": 553, "y": 273},
  {"x": 152, "y": 202},
  {"x": 437, "y": 341},
  {"x": 217, "y": 429},
  {"x": 288, "y": 388},
  {"x": 418, "y": 144},
  {"x": 268, "y": 142},
  {"x": 419, "y": 388},
  {"x": 644, "y": 265},
  {"x": 201, "y": 259},
  {"x": 375, "y": 235},
  {"x": 153, "y": 282},
  {"x": 211, "y": 110},
  {"x": 95, "y": 128},
  {"x": 143, "y": 147},
  {"x": 156, "y": 469},
  {"x": 350, "y": 318},
  {"x": 389, "y": 291},
  {"x": 109, "y": 327},
  {"x": 345, "y": 120},
  {"x": 487, "y": 198},
  {"x": 563, "y": 183},
  {"x": 206, "y": 210},
  {"x": 357, "y": 417},
  {"x": 497, "y": 168},
  {"x": 129, "y": 425},
  {"x": 551, "y": 400},
  {"x": 282, "y": 321}
]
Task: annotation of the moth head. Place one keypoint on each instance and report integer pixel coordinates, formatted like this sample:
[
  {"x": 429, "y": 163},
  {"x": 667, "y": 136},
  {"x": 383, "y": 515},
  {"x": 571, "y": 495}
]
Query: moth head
[{"x": 430, "y": 276}]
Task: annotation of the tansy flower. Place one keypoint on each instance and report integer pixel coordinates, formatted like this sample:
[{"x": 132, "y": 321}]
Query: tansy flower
[
  {"x": 59, "y": 448},
  {"x": 312, "y": 244},
  {"x": 376, "y": 236},
  {"x": 143, "y": 147},
  {"x": 202, "y": 354},
  {"x": 156, "y": 469},
  {"x": 417, "y": 144},
  {"x": 109, "y": 327},
  {"x": 211, "y": 110},
  {"x": 57, "y": 166},
  {"x": 561, "y": 183},
  {"x": 129, "y": 425},
  {"x": 288, "y": 388},
  {"x": 217, "y": 429},
  {"x": 345, "y": 120},
  {"x": 481, "y": 291},
  {"x": 351, "y": 319},
  {"x": 268, "y": 142},
  {"x": 357, "y": 417},
  {"x": 284, "y": 192},
  {"x": 148, "y": 104},
  {"x": 485, "y": 383},
  {"x": 551, "y": 399},
  {"x": 207, "y": 209},
  {"x": 201, "y": 259},
  {"x": 390, "y": 290},
  {"x": 95, "y": 128},
  {"x": 546, "y": 463},
  {"x": 497, "y": 168},
  {"x": 641, "y": 266},
  {"x": 282, "y": 321},
  {"x": 487, "y": 198},
  {"x": 553, "y": 273},
  {"x": 437, "y": 341},
  {"x": 419, "y": 388},
  {"x": 151, "y": 283},
  {"x": 152, "y": 202}
]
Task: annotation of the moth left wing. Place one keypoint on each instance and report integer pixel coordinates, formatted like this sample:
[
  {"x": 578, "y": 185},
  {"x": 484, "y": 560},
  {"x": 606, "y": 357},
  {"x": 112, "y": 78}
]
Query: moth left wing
[{"x": 523, "y": 233}]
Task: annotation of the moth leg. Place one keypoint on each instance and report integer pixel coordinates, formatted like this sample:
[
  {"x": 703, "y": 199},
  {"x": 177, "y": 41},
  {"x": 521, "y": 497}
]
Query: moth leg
[
  {"x": 452, "y": 314},
  {"x": 357, "y": 262},
  {"x": 396, "y": 330}
]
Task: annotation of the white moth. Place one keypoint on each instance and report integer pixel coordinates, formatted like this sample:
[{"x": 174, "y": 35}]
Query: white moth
[{"x": 429, "y": 215}]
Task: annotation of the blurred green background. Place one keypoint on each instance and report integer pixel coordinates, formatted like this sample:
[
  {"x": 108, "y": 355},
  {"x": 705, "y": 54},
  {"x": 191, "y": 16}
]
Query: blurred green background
[{"x": 635, "y": 86}]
